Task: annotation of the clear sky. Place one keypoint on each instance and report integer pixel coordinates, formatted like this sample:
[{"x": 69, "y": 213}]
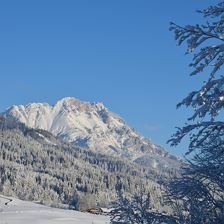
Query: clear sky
[{"x": 119, "y": 52}]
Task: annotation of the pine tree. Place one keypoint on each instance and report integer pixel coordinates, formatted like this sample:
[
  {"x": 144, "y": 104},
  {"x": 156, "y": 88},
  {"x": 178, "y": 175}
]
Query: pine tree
[
  {"x": 137, "y": 209},
  {"x": 199, "y": 192}
]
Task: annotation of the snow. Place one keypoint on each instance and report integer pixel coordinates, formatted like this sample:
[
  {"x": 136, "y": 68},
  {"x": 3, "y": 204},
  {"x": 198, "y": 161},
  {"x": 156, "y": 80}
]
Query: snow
[
  {"x": 22, "y": 212},
  {"x": 73, "y": 119},
  {"x": 45, "y": 139},
  {"x": 90, "y": 125}
]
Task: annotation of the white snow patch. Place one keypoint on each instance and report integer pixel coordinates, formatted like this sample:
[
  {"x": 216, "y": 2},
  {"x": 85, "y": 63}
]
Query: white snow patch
[{"x": 22, "y": 212}]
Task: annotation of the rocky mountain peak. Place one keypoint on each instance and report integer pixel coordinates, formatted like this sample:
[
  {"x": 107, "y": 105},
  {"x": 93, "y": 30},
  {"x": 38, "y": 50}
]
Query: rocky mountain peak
[{"x": 92, "y": 126}]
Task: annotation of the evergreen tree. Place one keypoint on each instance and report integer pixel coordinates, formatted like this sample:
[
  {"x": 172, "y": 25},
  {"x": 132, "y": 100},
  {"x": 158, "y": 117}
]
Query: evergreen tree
[
  {"x": 137, "y": 209},
  {"x": 198, "y": 194}
]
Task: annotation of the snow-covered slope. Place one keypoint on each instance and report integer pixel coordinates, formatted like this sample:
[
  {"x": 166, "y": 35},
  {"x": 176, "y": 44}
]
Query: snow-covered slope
[
  {"x": 22, "y": 212},
  {"x": 93, "y": 126}
]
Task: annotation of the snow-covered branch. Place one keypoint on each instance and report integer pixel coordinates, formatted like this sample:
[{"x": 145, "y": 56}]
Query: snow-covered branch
[{"x": 197, "y": 195}]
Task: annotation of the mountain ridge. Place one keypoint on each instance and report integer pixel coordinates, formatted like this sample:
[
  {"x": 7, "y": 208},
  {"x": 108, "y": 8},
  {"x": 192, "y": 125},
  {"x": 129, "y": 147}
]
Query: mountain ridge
[{"x": 92, "y": 126}]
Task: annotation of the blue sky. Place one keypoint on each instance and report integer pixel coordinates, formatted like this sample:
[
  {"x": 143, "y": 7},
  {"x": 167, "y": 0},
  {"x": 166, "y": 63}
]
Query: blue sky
[{"x": 118, "y": 52}]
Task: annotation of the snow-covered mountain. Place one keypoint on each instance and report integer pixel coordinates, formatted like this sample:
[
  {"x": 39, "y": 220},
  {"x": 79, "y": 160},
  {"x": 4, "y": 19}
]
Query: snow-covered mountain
[
  {"x": 93, "y": 126},
  {"x": 46, "y": 169}
]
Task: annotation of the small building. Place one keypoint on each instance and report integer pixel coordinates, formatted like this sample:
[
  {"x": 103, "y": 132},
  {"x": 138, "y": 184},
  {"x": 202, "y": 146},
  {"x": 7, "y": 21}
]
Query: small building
[{"x": 96, "y": 211}]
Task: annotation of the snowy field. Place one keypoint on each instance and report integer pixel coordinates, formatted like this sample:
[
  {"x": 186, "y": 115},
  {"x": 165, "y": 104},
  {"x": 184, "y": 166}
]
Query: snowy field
[{"x": 21, "y": 212}]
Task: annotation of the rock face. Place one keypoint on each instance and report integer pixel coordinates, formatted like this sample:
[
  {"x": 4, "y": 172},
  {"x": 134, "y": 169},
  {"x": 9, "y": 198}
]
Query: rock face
[{"x": 92, "y": 126}]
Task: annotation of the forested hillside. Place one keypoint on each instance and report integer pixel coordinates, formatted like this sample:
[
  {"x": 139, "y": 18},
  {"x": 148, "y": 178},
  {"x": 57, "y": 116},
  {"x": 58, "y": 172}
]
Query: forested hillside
[{"x": 34, "y": 165}]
